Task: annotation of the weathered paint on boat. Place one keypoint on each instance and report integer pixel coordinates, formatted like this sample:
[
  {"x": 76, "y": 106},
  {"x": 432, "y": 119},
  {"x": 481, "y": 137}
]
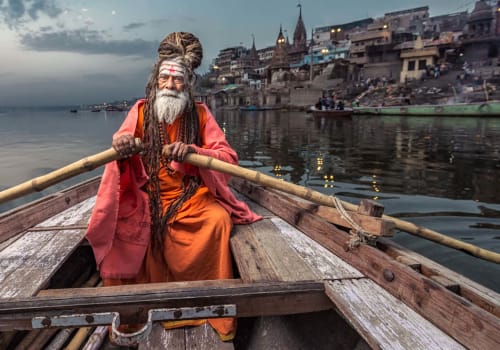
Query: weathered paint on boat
[{"x": 491, "y": 108}]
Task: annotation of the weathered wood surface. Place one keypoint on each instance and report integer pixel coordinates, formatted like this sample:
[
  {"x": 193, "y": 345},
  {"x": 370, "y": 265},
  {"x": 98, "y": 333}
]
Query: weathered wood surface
[
  {"x": 133, "y": 301},
  {"x": 27, "y": 264},
  {"x": 464, "y": 321},
  {"x": 470, "y": 290},
  {"x": 23, "y": 217},
  {"x": 384, "y": 321},
  {"x": 373, "y": 225},
  {"x": 193, "y": 338}
]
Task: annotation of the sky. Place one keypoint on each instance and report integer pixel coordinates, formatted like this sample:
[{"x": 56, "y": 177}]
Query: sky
[{"x": 71, "y": 52}]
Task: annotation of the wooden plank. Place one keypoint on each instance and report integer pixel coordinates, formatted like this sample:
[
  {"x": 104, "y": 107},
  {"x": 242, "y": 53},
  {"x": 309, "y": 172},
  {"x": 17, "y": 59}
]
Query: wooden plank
[
  {"x": 160, "y": 338},
  {"x": 412, "y": 263},
  {"x": 24, "y": 217},
  {"x": 370, "y": 224},
  {"x": 133, "y": 301},
  {"x": 204, "y": 337},
  {"x": 447, "y": 283},
  {"x": 262, "y": 242},
  {"x": 28, "y": 263},
  {"x": 467, "y": 323},
  {"x": 325, "y": 264},
  {"x": 385, "y": 322},
  {"x": 477, "y": 294},
  {"x": 252, "y": 261}
]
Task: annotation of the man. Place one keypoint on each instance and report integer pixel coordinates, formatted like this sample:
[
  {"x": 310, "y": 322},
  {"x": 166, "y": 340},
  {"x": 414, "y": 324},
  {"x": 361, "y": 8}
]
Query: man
[{"x": 157, "y": 219}]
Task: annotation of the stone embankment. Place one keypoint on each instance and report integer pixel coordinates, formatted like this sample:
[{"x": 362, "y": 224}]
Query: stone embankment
[{"x": 451, "y": 87}]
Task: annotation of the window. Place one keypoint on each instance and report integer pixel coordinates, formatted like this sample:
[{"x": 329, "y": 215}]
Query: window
[
  {"x": 411, "y": 65},
  {"x": 422, "y": 64}
]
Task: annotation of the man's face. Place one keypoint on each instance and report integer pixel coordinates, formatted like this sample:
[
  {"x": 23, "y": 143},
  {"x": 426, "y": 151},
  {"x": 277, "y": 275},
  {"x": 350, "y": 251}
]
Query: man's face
[
  {"x": 171, "y": 76},
  {"x": 171, "y": 95}
]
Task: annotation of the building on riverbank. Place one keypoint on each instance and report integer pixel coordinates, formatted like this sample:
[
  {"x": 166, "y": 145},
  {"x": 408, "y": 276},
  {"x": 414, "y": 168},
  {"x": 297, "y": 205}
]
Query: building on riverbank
[{"x": 454, "y": 53}]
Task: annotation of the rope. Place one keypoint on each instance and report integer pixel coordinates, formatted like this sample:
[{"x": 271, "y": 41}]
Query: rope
[{"x": 358, "y": 235}]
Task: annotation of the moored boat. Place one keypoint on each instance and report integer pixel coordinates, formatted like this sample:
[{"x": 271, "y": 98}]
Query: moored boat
[
  {"x": 490, "y": 108},
  {"x": 332, "y": 113},
  {"x": 302, "y": 281}
]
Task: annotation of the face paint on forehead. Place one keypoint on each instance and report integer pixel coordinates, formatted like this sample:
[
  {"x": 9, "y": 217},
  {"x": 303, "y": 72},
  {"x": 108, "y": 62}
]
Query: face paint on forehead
[{"x": 171, "y": 68}]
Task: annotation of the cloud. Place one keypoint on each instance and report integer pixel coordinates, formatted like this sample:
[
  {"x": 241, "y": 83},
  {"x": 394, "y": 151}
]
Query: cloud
[
  {"x": 134, "y": 25},
  {"x": 89, "y": 42},
  {"x": 15, "y": 12}
]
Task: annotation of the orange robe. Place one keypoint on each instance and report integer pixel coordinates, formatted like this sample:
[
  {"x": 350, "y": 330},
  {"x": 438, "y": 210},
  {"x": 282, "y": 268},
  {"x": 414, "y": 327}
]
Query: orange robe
[{"x": 197, "y": 243}]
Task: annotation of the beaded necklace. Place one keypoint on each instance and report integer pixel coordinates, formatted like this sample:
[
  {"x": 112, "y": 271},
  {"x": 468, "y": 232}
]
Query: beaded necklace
[{"x": 164, "y": 139}]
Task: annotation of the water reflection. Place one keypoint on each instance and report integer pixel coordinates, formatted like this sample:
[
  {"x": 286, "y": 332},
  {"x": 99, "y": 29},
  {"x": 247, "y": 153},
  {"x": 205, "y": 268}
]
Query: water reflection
[
  {"x": 455, "y": 158},
  {"x": 441, "y": 173}
]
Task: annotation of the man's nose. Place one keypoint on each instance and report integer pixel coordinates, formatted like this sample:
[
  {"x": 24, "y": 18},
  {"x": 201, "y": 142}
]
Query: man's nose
[{"x": 169, "y": 84}]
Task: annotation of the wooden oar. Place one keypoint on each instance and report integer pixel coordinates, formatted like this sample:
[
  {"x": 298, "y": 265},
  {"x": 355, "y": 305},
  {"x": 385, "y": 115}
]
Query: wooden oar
[
  {"x": 79, "y": 167},
  {"x": 323, "y": 199},
  {"x": 99, "y": 159}
]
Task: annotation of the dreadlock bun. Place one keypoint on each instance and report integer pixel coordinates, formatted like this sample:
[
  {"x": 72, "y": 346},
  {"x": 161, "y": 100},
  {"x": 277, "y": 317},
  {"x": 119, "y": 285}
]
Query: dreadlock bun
[{"x": 184, "y": 46}]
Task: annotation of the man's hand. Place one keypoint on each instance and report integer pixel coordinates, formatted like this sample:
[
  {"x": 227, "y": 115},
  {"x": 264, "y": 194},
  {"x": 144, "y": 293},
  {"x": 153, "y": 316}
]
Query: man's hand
[
  {"x": 125, "y": 145},
  {"x": 176, "y": 151}
]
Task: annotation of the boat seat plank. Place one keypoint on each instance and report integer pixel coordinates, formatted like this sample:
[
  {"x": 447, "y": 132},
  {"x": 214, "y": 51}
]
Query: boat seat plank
[
  {"x": 261, "y": 253},
  {"x": 385, "y": 322},
  {"x": 30, "y": 261},
  {"x": 327, "y": 265},
  {"x": 193, "y": 338}
]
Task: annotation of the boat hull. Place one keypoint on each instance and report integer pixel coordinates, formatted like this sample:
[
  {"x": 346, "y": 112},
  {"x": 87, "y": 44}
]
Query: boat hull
[
  {"x": 455, "y": 110},
  {"x": 332, "y": 113}
]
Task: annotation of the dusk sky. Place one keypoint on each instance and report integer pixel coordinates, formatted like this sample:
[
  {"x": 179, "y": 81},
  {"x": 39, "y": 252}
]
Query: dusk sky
[{"x": 61, "y": 52}]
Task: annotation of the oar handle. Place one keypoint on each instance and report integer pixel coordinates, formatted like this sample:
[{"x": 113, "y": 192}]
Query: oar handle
[
  {"x": 83, "y": 165},
  {"x": 323, "y": 199}
]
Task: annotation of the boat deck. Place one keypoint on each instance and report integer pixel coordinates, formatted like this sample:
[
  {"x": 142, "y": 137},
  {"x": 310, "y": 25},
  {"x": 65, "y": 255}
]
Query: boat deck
[{"x": 291, "y": 290}]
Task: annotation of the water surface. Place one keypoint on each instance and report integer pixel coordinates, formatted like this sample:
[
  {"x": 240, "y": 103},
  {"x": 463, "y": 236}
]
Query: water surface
[{"x": 442, "y": 173}]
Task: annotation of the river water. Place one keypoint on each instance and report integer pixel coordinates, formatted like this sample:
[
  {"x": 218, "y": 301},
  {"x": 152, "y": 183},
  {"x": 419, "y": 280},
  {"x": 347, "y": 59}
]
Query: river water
[{"x": 442, "y": 173}]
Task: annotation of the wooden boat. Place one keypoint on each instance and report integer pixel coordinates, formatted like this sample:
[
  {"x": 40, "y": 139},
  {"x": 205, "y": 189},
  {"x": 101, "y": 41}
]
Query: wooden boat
[
  {"x": 485, "y": 109},
  {"x": 300, "y": 283},
  {"x": 332, "y": 113}
]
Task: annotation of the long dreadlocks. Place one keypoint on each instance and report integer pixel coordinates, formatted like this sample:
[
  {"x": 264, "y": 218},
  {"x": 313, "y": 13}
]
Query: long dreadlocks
[{"x": 186, "y": 49}]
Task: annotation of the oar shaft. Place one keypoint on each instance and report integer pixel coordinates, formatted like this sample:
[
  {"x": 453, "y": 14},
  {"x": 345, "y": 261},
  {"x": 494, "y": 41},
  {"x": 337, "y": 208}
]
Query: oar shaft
[
  {"x": 323, "y": 199},
  {"x": 42, "y": 182},
  {"x": 79, "y": 167}
]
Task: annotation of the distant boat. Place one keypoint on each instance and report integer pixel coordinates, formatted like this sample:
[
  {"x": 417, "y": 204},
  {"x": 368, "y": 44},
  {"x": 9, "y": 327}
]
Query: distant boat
[
  {"x": 73, "y": 110},
  {"x": 490, "y": 108},
  {"x": 95, "y": 110},
  {"x": 332, "y": 113},
  {"x": 114, "y": 109}
]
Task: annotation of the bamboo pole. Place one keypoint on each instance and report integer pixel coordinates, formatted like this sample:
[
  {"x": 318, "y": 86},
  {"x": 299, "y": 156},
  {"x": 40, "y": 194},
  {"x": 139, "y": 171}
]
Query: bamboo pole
[
  {"x": 323, "y": 199},
  {"x": 109, "y": 155},
  {"x": 79, "y": 167}
]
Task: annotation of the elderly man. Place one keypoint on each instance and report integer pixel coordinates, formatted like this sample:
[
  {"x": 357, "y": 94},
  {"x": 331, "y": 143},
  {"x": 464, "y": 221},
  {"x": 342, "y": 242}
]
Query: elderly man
[{"x": 157, "y": 219}]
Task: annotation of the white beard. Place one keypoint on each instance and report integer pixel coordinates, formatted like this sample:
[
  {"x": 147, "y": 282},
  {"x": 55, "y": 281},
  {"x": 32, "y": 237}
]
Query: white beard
[{"x": 170, "y": 104}]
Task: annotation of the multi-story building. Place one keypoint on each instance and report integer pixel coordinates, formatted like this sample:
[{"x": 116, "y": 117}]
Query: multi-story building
[
  {"x": 410, "y": 20},
  {"x": 454, "y": 22},
  {"x": 377, "y": 33},
  {"x": 481, "y": 36}
]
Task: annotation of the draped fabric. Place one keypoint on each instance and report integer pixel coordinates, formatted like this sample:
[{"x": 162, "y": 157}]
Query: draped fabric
[{"x": 196, "y": 244}]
